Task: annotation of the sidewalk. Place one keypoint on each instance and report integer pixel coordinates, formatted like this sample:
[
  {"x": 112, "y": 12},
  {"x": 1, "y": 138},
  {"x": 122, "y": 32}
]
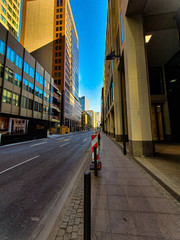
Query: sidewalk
[
  {"x": 127, "y": 203},
  {"x": 164, "y": 167}
]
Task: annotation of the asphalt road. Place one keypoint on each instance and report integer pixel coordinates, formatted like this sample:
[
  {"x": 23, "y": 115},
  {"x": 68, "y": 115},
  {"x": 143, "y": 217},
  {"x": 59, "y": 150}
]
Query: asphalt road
[{"x": 33, "y": 176}]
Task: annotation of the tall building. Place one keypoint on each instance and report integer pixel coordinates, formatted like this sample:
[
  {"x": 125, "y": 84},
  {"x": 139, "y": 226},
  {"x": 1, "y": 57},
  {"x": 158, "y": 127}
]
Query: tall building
[
  {"x": 10, "y": 15},
  {"x": 142, "y": 85},
  {"x": 49, "y": 33},
  {"x": 98, "y": 119},
  {"x": 84, "y": 103},
  {"x": 27, "y": 100},
  {"x": 92, "y": 120}
]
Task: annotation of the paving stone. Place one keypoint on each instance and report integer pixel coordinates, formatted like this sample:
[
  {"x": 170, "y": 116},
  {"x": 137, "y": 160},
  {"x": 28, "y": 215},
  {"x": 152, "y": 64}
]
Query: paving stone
[
  {"x": 61, "y": 233},
  {"x": 69, "y": 229},
  {"x": 64, "y": 225},
  {"x": 75, "y": 228}
]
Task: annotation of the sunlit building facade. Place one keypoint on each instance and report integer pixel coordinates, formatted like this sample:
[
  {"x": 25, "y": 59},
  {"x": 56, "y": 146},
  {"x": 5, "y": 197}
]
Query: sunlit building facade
[
  {"x": 49, "y": 33},
  {"x": 26, "y": 92},
  {"x": 92, "y": 115},
  {"x": 10, "y": 15},
  {"x": 142, "y": 81},
  {"x": 84, "y": 101}
]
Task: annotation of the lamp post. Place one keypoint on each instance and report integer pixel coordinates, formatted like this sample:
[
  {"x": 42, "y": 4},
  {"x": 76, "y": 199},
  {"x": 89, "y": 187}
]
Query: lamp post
[{"x": 112, "y": 56}]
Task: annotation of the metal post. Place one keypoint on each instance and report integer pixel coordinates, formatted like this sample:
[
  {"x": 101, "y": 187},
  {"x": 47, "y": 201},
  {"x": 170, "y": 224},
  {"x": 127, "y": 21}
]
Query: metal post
[
  {"x": 87, "y": 206},
  {"x": 95, "y": 161}
]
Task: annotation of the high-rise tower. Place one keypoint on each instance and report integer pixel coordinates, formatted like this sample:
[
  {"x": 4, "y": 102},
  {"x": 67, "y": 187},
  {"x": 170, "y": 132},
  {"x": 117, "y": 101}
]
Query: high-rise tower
[
  {"x": 49, "y": 34},
  {"x": 10, "y": 15}
]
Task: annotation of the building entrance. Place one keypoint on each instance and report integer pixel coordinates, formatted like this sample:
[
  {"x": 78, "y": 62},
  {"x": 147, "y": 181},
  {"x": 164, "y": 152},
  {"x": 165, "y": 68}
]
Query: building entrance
[{"x": 157, "y": 122}]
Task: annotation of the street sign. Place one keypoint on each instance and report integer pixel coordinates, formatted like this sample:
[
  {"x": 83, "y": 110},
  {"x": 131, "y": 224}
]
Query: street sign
[{"x": 94, "y": 143}]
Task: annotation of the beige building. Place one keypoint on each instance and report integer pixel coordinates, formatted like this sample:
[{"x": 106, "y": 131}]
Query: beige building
[
  {"x": 98, "y": 119},
  {"x": 10, "y": 15},
  {"x": 85, "y": 121},
  {"x": 142, "y": 77},
  {"x": 49, "y": 33},
  {"x": 92, "y": 115}
]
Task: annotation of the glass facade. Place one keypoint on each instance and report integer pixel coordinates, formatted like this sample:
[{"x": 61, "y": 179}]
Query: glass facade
[{"x": 74, "y": 85}]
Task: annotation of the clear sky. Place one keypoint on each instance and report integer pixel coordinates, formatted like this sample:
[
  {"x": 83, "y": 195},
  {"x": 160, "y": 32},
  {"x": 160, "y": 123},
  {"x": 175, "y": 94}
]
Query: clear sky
[{"x": 90, "y": 19}]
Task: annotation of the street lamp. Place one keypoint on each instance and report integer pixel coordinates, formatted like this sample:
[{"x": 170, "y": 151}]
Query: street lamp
[{"x": 112, "y": 56}]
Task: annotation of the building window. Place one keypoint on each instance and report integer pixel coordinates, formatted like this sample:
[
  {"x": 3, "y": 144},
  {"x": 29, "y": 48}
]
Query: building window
[
  {"x": 61, "y": 3},
  {"x": 17, "y": 80},
  {"x": 56, "y": 34},
  {"x": 3, "y": 9},
  {"x": 30, "y": 104},
  {"x": 36, "y": 106},
  {"x": 41, "y": 80},
  {"x": 57, "y": 10},
  {"x": 26, "y": 67},
  {"x": 121, "y": 17},
  {"x": 57, "y": 3},
  {"x": 3, "y": 19},
  {"x": 60, "y": 28},
  {"x": 16, "y": 99},
  {"x": 2, "y": 47},
  {"x": 57, "y": 16},
  {"x": 32, "y": 72},
  {"x": 25, "y": 84},
  {"x": 60, "y": 22},
  {"x": 1, "y": 70},
  {"x": 4, "y": 2},
  {"x": 59, "y": 82},
  {"x": 37, "y": 91},
  {"x": 40, "y": 107},
  {"x": 41, "y": 93},
  {"x": 11, "y": 55},
  {"x": 57, "y": 28},
  {"x": 57, "y": 22},
  {"x": 60, "y": 35},
  {"x": 37, "y": 76},
  {"x": 7, "y": 96},
  {"x": 61, "y": 10},
  {"x": 31, "y": 88},
  {"x": 60, "y": 15},
  {"x": 45, "y": 83},
  {"x": 19, "y": 61},
  {"x": 24, "y": 102},
  {"x": 9, "y": 75}
]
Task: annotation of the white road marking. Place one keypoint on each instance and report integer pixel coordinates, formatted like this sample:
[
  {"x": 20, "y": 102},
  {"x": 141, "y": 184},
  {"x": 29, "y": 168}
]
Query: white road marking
[
  {"x": 85, "y": 140},
  {"x": 19, "y": 164},
  {"x": 63, "y": 144},
  {"x": 37, "y": 144}
]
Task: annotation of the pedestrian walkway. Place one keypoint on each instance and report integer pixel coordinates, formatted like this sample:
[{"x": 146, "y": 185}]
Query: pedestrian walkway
[
  {"x": 127, "y": 203},
  {"x": 164, "y": 166}
]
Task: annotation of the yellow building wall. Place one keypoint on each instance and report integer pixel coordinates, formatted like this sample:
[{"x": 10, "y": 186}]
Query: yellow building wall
[{"x": 9, "y": 15}]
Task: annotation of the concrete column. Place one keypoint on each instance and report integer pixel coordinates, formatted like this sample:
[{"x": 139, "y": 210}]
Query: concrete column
[
  {"x": 117, "y": 104},
  {"x": 137, "y": 89},
  {"x": 112, "y": 124}
]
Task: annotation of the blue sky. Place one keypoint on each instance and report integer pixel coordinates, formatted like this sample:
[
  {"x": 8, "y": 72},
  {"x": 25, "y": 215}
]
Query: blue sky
[{"x": 90, "y": 19}]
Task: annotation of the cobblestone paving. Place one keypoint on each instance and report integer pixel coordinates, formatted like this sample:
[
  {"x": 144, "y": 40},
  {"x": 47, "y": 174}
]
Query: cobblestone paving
[{"x": 71, "y": 226}]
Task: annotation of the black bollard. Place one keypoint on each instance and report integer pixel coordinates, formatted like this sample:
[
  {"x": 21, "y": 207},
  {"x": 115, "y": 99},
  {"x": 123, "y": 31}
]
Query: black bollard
[
  {"x": 87, "y": 206},
  {"x": 95, "y": 161}
]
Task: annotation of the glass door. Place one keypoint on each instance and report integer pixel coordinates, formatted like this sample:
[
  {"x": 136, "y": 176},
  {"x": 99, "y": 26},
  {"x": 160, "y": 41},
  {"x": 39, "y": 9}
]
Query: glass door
[{"x": 157, "y": 122}]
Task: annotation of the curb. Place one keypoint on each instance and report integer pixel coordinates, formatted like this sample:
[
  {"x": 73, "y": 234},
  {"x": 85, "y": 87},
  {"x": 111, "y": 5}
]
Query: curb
[{"x": 62, "y": 215}]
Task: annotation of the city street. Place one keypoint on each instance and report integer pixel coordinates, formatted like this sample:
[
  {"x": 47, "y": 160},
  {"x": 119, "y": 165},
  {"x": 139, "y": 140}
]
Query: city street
[{"x": 34, "y": 177}]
